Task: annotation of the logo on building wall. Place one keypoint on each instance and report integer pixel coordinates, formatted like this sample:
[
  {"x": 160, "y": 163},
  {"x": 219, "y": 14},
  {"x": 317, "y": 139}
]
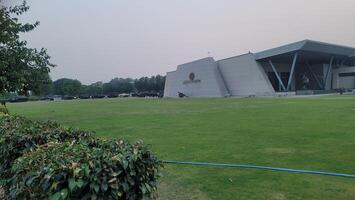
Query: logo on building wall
[
  {"x": 192, "y": 79},
  {"x": 191, "y": 76}
]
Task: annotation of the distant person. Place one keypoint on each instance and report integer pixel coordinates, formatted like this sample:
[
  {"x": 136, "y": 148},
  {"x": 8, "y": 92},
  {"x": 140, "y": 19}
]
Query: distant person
[
  {"x": 305, "y": 81},
  {"x": 181, "y": 95}
]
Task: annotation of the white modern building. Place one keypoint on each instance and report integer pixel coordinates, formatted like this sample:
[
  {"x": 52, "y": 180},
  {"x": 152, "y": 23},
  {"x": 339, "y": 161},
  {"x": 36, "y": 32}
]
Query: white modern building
[{"x": 305, "y": 67}]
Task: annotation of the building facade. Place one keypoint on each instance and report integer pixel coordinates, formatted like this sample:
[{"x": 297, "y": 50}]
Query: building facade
[{"x": 298, "y": 68}]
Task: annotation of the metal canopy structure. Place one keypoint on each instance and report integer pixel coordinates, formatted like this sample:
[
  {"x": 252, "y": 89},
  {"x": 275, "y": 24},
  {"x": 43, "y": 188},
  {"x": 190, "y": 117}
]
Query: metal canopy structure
[
  {"x": 308, "y": 50},
  {"x": 307, "y": 53}
]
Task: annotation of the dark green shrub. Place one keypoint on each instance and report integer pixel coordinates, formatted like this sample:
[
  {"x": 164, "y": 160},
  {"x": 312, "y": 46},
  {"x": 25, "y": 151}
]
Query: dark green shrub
[
  {"x": 3, "y": 110},
  {"x": 19, "y": 135},
  {"x": 85, "y": 170}
]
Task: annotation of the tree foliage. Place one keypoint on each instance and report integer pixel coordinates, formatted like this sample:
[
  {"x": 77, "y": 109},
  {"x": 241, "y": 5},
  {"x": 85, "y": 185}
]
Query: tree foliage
[
  {"x": 119, "y": 85},
  {"x": 95, "y": 89},
  {"x": 22, "y": 69},
  {"x": 65, "y": 86},
  {"x": 154, "y": 83}
]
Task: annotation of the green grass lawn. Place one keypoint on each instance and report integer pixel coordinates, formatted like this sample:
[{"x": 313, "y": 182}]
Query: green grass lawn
[{"x": 314, "y": 133}]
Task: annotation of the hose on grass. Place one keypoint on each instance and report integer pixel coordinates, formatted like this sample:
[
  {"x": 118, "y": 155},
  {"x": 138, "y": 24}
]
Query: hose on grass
[{"x": 259, "y": 167}]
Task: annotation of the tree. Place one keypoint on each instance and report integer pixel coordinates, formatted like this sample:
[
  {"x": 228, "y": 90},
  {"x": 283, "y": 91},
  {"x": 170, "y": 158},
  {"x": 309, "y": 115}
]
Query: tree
[
  {"x": 107, "y": 88},
  {"x": 121, "y": 85},
  {"x": 44, "y": 89},
  {"x": 160, "y": 83},
  {"x": 84, "y": 90},
  {"x": 142, "y": 84},
  {"x": 153, "y": 84},
  {"x": 95, "y": 89},
  {"x": 65, "y": 86},
  {"x": 71, "y": 87},
  {"x": 22, "y": 69}
]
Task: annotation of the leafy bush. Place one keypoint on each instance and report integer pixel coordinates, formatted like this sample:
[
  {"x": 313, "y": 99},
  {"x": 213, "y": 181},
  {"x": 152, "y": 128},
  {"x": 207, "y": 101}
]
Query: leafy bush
[
  {"x": 43, "y": 160},
  {"x": 86, "y": 170},
  {"x": 4, "y": 110},
  {"x": 19, "y": 135}
]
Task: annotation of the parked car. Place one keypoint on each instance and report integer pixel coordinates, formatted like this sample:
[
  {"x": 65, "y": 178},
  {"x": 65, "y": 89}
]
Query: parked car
[
  {"x": 124, "y": 95},
  {"x": 46, "y": 99},
  {"x": 68, "y": 97},
  {"x": 112, "y": 95},
  {"x": 134, "y": 94},
  {"x": 84, "y": 97},
  {"x": 18, "y": 99},
  {"x": 98, "y": 96}
]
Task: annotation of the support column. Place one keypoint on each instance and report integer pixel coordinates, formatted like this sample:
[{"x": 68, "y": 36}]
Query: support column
[
  {"x": 329, "y": 69},
  {"x": 277, "y": 75},
  {"x": 314, "y": 75},
  {"x": 292, "y": 71}
]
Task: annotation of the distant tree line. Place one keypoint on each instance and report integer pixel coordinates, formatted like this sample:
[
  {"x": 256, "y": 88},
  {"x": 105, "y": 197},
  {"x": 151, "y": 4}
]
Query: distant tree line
[{"x": 145, "y": 86}]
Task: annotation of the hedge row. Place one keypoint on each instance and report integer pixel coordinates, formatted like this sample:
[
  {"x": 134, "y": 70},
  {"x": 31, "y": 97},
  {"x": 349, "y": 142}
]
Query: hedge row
[{"x": 49, "y": 161}]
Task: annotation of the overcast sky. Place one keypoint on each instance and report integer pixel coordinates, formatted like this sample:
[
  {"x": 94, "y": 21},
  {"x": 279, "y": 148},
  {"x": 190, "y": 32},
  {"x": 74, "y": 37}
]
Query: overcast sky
[{"x": 93, "y": 40}]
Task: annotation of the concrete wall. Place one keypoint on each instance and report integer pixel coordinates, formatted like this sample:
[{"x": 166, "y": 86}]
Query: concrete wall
[
  {"x": 207, "y": 82},
  {"x": 171, "y": 87},
  {"x": 244, "y": 76},
  {"x": 347, "y": 82}
]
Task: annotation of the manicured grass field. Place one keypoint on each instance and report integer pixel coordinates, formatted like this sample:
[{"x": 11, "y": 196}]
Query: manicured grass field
[{"x": 314, "y": 133}]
